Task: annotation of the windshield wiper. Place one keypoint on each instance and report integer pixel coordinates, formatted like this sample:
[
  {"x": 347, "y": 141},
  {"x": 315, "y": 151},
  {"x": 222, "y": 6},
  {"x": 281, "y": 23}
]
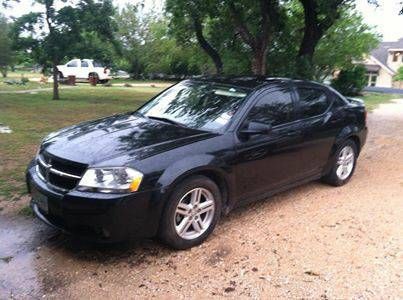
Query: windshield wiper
[{"x": 166, "y": 120}]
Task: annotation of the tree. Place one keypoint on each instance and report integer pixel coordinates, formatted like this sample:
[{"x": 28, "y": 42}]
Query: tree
[
  {"x": 62, "y": 31},
  {"x": 6, "y": 53},
  {"x": 319, "y": 16},
  {"x": 188, "y": 19},
  {"x": 347, "y": 41},
  {"x": 256, "y": 24}
]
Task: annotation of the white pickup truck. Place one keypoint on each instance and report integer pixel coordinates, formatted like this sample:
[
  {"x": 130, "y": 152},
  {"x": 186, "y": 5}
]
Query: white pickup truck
[{"x": 84, "y": 69}]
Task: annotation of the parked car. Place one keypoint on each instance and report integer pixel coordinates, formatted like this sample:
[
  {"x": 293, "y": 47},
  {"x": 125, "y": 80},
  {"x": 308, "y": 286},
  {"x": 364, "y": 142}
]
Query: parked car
[
  {"x": 192, "y": 153},
  {"x": 84, "y": 69}
]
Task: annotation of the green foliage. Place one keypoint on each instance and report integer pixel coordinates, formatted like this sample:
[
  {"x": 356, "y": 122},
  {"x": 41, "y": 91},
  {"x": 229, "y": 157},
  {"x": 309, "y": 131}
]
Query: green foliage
[
  {"x": 84, "y": 30},
  {"x": 351, "y": 81},
  {"x": 348, "y": 40},
  {"x": 150, "y": 48},
  {"x": 399, "y": 75},
  {"x": 24, "y": 80},
  {"x": 6, "y": 53}
]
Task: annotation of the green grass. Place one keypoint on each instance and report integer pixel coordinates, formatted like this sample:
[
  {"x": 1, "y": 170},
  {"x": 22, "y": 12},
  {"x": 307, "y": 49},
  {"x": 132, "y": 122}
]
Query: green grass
[
  {"x": 33, "y": 116},
  {"x": 372, "y": 100}
]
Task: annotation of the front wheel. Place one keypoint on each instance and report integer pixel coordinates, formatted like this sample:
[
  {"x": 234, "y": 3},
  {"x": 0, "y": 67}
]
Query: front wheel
[
  {"x": 344, "y": 164},
  {"x": 191, "y": 214}
]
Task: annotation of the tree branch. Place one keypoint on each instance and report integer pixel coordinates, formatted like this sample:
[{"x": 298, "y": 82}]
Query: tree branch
[
  {"x": 206, "y": 46},
  {"x": 242, "y": 29}
]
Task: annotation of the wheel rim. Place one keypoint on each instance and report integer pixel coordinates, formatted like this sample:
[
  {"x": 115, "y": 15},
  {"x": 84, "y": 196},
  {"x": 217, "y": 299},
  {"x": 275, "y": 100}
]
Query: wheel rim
[
  {"x": 345, "y": 162},
  {"x": 194, "y": 213}
]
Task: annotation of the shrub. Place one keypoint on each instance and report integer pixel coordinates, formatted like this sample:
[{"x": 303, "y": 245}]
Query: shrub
[
  {"x": 399, "y": 75},
  {"x": 24, "y": 80},
  {"x": 350, "y": 82}
]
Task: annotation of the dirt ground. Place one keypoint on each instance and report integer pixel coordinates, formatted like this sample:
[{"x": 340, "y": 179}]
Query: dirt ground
[{"x": 314, "y": 241}]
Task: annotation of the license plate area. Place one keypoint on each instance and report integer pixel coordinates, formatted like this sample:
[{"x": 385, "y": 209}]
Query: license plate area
[{"x": 40, "y": 200}]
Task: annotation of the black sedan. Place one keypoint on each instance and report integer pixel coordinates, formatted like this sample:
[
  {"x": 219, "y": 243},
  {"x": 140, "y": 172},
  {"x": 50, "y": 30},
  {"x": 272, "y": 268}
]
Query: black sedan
[{"x": 192, "y": 153}]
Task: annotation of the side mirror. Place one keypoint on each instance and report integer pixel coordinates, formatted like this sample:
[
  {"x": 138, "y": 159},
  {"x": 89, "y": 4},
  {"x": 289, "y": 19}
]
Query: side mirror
[{"x": 256, "y": 128}]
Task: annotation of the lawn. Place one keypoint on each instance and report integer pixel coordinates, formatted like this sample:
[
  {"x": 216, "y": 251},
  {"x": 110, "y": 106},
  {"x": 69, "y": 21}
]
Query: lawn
[
  {"x": 372, "y": 100},
  {"x": 32, "y": 116}
]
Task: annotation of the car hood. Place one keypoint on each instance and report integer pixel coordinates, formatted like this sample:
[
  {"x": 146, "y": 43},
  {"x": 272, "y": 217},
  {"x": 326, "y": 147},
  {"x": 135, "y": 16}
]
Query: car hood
[{"x": 128, "y": 135}]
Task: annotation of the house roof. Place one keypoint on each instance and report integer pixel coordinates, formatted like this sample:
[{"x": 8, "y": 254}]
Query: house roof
[{"x": 381, "y": 53}]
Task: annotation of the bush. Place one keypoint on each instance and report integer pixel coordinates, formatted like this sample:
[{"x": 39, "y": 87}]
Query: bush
[
  {"x": 24, "y": 80},
  {"x": 351, "y": 82}
]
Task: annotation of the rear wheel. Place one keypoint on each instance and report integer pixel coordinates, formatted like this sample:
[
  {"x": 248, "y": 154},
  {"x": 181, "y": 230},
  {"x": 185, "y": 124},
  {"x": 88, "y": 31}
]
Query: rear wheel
[
  {"x": 191, "y": 213},
  {"x": 344, "y": 164}
]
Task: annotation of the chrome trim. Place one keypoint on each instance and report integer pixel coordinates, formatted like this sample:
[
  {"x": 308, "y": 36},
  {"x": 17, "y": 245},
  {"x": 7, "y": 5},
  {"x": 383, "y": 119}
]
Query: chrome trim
[
  {"x": 38, "y": 172},
  {"x": 63, "y": 174},
  {"x": 42, "y": 162},
  {"x": 55, "y": 171}
]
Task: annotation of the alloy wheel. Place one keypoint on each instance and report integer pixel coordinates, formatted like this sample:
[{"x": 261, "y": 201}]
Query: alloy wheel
[
  {"x": 194, "y": 213},
  {"x": 345, "y": 162}
]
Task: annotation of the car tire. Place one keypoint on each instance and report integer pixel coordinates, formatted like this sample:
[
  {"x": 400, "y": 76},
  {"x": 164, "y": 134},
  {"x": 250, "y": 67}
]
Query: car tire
[
  {"x": 191, "y": 214},
  {"x": 343, "y": 165},
  {"x": 95, "y": 76}
]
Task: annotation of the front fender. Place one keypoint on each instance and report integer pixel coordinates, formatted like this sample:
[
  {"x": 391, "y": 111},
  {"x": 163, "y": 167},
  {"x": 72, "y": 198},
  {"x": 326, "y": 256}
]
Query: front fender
[{"x": 196, "y": 164}]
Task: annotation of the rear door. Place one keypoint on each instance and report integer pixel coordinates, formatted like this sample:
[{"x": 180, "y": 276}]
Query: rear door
[
  {"x": 321, "y": 122},
  {"x": 266, "y": 162},
  {"x": 84, "y": 70}
]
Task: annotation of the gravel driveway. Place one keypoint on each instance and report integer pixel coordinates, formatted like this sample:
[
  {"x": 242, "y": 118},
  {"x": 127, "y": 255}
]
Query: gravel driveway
[{"x": 314, "y": 241}]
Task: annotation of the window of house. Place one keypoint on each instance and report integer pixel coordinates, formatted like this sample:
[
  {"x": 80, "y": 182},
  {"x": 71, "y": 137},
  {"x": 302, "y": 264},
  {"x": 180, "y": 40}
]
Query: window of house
[
  {"x": 395, "y": 56},
  {"x": 312, "y": 101},
  {"x": 372, "y": 77},
  {"x": 273, "y": 108}
]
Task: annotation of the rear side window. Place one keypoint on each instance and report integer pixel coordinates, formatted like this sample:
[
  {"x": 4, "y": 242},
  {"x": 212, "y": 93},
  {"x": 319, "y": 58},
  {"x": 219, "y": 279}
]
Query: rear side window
[
  {"x": 312, "y": 101},
  {"x": 84, "y": 64},
  {"x": 274, "y": 108}
]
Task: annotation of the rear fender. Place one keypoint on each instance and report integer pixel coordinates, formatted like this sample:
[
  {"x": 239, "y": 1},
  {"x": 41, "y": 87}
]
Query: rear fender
[{"x": 346, "y": 133}]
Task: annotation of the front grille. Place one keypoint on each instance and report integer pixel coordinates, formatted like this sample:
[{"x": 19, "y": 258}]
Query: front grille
[{"x": 58, "y": 172}]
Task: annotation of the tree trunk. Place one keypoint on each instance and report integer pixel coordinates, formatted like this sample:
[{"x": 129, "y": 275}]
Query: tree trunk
[
  {"x": 3, "y": 72},
  {"x": 259, "y": 60},
  {"x": 55, "y": 82},
  {"x": 205, "y": 45}
]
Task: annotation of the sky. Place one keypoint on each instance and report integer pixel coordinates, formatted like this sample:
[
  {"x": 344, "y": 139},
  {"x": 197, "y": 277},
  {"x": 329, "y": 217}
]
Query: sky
[{"x": 384, "y": 18}]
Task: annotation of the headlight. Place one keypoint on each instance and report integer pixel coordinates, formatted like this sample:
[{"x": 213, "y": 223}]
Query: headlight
[{"x": 111, "y": 180}]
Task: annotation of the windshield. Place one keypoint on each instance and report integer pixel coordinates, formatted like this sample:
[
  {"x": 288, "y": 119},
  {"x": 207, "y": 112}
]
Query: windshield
[{"x": 198, "y": 105}]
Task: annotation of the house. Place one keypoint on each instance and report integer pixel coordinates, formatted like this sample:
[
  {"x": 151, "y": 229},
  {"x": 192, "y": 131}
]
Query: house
[{"x": 382, "y": 64}]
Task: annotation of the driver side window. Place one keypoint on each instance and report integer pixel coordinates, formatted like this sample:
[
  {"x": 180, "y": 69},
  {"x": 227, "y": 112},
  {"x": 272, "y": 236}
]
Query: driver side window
[{"x": 273, "y": 108}]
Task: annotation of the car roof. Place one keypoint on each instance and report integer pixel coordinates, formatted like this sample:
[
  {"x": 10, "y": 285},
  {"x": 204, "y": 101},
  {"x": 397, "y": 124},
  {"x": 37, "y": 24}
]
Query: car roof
[{"x": 250, "y": 82}]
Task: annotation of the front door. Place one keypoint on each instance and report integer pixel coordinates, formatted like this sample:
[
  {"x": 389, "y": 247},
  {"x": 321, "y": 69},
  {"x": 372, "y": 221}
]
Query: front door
[{"x": 267, "y": 161}]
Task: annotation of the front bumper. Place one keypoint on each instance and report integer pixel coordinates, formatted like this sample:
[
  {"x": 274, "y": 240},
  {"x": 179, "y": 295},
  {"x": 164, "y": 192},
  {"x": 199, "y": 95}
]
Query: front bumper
[{"x": 97, "y": 216}]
